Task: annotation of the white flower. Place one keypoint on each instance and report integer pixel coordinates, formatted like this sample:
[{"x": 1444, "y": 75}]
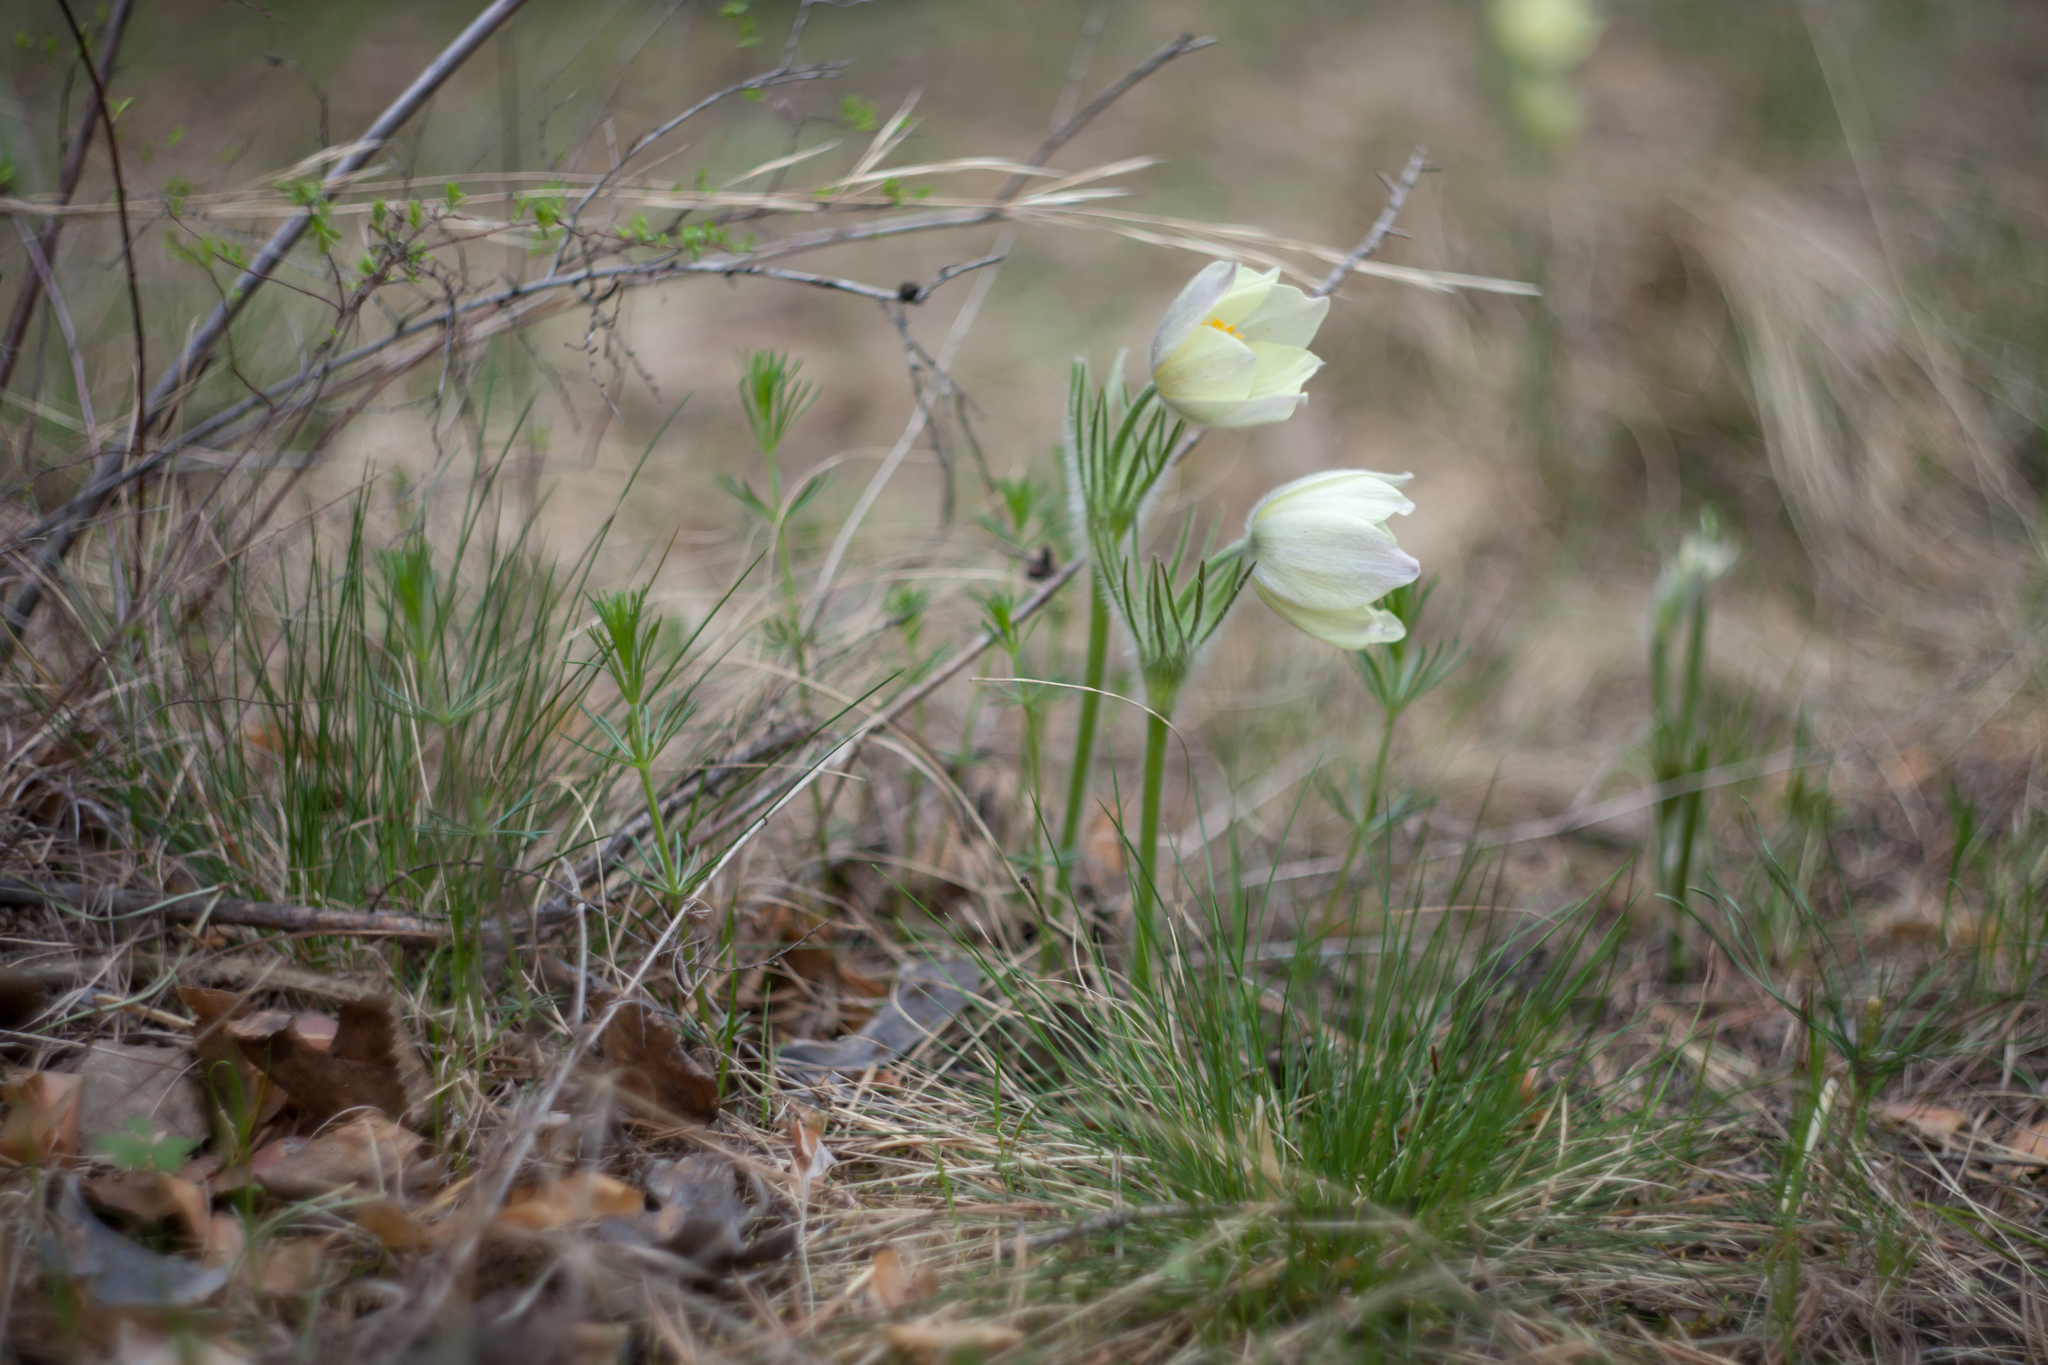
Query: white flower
[
  {"x": 1321, "y": 554},
  {"x": 1232, "y": 350},
  {"x": 1546, "y": 35}
]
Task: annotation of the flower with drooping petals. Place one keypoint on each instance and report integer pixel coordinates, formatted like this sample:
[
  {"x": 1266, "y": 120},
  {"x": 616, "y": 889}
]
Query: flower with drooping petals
[
  {"x": 1232, "y": 351},
  {"x": 1321, "y": 554}
]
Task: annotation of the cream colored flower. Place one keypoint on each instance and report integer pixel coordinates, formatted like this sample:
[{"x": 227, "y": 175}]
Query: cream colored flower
[
  {"x": 1321, "y": 554},
  {"x": 1546, "y": 35},
  {"x": 1232, "y": 350}
]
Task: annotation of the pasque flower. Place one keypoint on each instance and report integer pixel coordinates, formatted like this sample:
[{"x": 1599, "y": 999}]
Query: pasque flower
[
  {"x": 1321, "y": 554},
  {"x": 1232, "y": 350}
]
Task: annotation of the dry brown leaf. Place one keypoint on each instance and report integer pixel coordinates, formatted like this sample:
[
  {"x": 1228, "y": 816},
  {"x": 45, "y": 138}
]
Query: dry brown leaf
[
  {"x": 927, "y": 1340},
  {"x": 579, "y": 1197},
  {"x": 650, "y": 1064},
  {"x": 368, "y": 1150},
  {"x": 368, "y": 1065},
  {"x": 2031, "y": 1139},
  {"x": 895, "y": 1281},
  {"x": 126, "y": 1083},
  {"x": 288, "y": 1268},
  {"x": 1929, "y": 1120},
  {"x": 391, "y": 1223},
  {"x": 224, "y": 1240},
  {"x": 42, "y": 1118},
  {"x": 243, "y": 1097},
  {"x": 152, "y": 1197},
  {"x": 809, "y": 1157}
]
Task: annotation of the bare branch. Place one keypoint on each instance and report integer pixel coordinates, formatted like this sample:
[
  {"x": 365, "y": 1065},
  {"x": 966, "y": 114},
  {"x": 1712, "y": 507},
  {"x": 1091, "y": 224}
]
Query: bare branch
[
  {"x": 211, "y": 906},
  {"x": 1179, "y": 47},
  {"x": 1397, "y": 195},
  {"x": 67, "y": 184}
]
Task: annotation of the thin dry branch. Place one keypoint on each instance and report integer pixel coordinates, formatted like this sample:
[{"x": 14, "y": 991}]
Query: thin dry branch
[
  {"x": 1397, "y": 195},
  {"x": 67, "y": 184},
  {"x": 212, "y": 907}
]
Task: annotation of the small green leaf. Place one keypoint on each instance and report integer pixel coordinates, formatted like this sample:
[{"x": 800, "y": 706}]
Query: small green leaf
[
  {"x": 857, "y": 113},
  {"x": 138, "y": 1149}
]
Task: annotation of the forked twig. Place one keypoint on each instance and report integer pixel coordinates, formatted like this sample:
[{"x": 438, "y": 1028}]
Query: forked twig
[{"x": 1397, "y": 195}]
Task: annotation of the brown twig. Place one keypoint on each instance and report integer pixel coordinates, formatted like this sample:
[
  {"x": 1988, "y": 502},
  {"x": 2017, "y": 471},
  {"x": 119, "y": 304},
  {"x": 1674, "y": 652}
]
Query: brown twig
[
  {"x": 1060, "y": 136},
  {"x": 212, "y": 907},
  {"x": 1397, "y": 195},
  {"x": 67, "y": 185}
]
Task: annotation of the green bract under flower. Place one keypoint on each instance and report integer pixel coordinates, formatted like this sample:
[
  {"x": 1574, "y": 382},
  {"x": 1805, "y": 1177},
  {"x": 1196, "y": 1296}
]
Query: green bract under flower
[
  {"x": 1232, "y": 350},
  {"x": 1321, "y": 554}
]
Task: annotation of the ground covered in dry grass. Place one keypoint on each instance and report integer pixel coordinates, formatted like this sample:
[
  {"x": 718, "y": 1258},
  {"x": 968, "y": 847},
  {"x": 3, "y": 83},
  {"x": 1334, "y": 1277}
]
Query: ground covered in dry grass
[{"x": 527, "y": 837}]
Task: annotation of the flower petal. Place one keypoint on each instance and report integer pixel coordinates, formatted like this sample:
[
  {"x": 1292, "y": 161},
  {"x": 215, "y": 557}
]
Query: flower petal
[
  {"x": 1208, "y": 376},
  {"x": 1282, "y": 369},
  {"x": 1353, "y": 629},
  {"x": 1192, "y": 308},
  {"x": 1247, "y": 293},
  {"x": 1286, "y": 317},
  {"x": 1329, "y": 563},
  {"x": 1258, "y": 412},
  {"x": 1370, "y": 496}
]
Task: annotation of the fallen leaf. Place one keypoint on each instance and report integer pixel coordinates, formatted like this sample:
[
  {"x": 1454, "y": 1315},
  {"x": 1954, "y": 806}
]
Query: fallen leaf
[
  {"x": 650, "y": 1063},
  {"x": 1929, "y": 1120},
  {"x": 391, "y": 1223},
  {"x": 927, "y": 1340},
  {"x": 368, "y": 1150},
  {"x": 809, "y": 1158},
  {"x": 116, "y": 1271},
  {"x": 42, "y": 1118},
  {"x": 288, "y": 1269},
  {"x": 2029, "y": 1139},
  {"x": 578, "y": 1197},
  {"x": 365, "y": 1067},
  {"x": 926, "y": 996},
  {"x": 894, "y": 1282},
  {"x": 224, "y": 1240},
  {"x": 242, "y": 1097},
  {"x": 152, "y": 1197}
]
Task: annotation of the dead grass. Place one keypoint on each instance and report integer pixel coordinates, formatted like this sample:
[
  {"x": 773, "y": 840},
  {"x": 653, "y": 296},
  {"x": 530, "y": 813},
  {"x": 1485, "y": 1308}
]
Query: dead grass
[{"x": 1828, "y": 1144}]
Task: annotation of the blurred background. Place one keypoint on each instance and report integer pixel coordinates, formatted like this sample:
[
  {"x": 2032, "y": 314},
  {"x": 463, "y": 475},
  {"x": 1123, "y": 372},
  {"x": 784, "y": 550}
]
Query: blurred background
[{"x": 1791, "y": 261}]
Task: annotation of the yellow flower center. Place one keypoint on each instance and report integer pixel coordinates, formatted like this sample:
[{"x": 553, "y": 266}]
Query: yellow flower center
[{"x": 1220, "y": 325}]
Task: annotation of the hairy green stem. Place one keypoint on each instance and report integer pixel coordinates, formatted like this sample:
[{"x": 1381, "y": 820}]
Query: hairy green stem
[
  {"x": 1084, "y": 734},
  {"x": 1145, "y": 874}
]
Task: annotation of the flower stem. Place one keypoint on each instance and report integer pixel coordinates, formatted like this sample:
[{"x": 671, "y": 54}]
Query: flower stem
[
  {"x": 1145, "y": 875},
  {"x": 1084, "y": 734}
]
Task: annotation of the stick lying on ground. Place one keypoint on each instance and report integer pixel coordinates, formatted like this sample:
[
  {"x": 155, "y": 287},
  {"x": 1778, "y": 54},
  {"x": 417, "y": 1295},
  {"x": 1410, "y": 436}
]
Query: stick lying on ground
[{"x": 210, "y": 905}]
